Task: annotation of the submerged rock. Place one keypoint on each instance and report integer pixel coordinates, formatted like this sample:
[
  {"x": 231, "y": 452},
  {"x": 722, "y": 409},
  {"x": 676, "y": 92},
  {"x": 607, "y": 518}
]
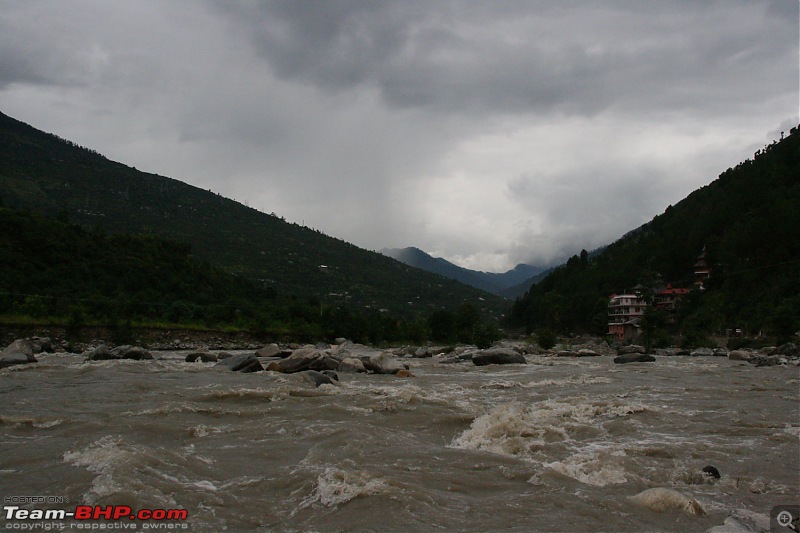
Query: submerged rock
[
  {"x": 744, "y": 521},
  {"x": 634, "y": 358},
  {"x": 711, "y": 471},
  {"x": 137, "y": 353},
  {"x": 327, "y": 377},
  {"x": 241, "y": 363},
  {"x": 582, "y": 352},
  {"x": 205, "y": 357},
  {"x": 662, "y": 499}
]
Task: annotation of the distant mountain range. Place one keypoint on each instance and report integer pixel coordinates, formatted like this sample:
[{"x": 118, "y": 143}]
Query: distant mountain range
[
  {"x": 507, "y": 284},
  {"x": 53, "y": 176}
]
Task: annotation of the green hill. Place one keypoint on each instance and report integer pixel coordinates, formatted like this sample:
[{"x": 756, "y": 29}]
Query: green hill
[
  {"x": 49, "y": 175},
  {"x": 748, "y": 221},
  {"x": 50, "y": 269},
  {"x": 54, "y": 272}
]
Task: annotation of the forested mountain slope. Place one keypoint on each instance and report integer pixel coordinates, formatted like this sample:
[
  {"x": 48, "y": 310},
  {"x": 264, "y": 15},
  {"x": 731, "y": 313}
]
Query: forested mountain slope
[
  {"x": 748, "y": 222},
  {"x": 50, "y": 175}
]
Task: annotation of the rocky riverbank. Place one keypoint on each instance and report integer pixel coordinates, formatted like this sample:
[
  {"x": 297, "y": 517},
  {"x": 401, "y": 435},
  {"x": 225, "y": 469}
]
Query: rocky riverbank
[
  {"x": 85, "y": 337},
  {"x": 324, "y": 360}
]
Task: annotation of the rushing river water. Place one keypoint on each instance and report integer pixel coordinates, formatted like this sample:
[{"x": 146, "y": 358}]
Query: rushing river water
[{"x": 555, "y": 445}]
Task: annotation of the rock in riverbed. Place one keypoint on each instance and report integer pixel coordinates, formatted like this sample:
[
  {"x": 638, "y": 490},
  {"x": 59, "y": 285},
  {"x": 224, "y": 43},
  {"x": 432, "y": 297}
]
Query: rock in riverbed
[
  {"x": 498, "y": 356},
  {"x": 16, "y": 358},
  {"x": 634, "y": 358},
  {"x": 205, "y": 357},
  {"x": 241, "y": 363},
  {"x": 328, "y": 377}
]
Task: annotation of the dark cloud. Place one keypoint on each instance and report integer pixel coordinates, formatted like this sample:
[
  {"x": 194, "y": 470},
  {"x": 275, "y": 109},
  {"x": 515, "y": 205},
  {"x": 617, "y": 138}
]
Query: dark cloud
[
  {"x": 563, "y": 57},
  {"x": 487, "y": 132}
]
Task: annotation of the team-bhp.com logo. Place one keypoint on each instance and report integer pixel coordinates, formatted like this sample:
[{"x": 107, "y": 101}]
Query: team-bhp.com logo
[{"x": 93, "y": 517}]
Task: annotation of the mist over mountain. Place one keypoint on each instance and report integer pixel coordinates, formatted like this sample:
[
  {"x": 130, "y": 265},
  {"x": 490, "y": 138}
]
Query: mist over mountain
[{"x": 496, "y": 283}]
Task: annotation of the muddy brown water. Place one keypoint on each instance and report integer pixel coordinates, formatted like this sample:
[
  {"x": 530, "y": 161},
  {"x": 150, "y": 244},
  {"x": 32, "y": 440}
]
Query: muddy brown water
[{"x": 555, "y": 445}]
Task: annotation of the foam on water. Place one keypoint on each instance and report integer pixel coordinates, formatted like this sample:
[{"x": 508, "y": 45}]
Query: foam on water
[
  {"x": 599, "y": 468},
  {"x": 580, "y": 380},
  {"x": 394, "y": 397},
  {"x": 791, "y": 430},
  {"x": 335, "y": 487},
  {"x": 103, "y": 457},
  {"x": 122, "y": 468},
  {"x": 519, "y": 430},
  {"x": 36, "y": 422},
  {"x": 185, "y": 407},
  {"x": 236, "y": 393}
]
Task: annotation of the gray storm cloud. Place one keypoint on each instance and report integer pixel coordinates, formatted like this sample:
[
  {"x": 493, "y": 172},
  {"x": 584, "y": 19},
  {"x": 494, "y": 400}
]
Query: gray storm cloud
[{"x": 489, "y": 133}]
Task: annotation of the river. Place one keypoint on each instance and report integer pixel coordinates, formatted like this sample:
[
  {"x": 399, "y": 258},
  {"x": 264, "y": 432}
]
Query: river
[{"x": 559, "y": 444}]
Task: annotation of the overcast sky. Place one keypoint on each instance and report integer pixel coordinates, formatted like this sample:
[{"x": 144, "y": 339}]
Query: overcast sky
[{"x": 485, "y": 132}]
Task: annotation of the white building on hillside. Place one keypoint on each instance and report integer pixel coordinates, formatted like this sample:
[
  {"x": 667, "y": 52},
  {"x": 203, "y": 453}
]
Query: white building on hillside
[{"x": 625, "y": 313}]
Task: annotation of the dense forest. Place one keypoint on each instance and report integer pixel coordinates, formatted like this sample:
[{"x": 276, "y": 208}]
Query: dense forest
[
  {"x": 46, "y": 174},
  {"x": 748, "y": 223},
  {"x": 55, "y": 272}
]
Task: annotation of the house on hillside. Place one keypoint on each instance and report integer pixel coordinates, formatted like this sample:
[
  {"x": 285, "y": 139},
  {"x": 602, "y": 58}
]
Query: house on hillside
[
  {"x": 668, "y": 298},
  {"x": 625, "y": 313}
]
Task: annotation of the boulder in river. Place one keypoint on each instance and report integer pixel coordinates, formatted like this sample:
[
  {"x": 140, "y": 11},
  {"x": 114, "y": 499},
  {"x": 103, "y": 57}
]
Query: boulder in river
[
  {"x": 205, "y": 357},
  {"x": 790, "y": 349},
  {"x": 633, "y": 348},
  {"x": 740, "y": 355},
  {"x": 634, "y": 358},
  {"x": 102, "y": 353},
  {"x": 23, "y": 346},
  {"x": 306, "y": 359},
  {"x": 241, "y": 363},
  {"x": 137, "y": 353},
  {"x": 329, "y": 377},
  {"x": 382, "y": 363},
  {"x": 16, "y": 358},
  {"x": 351, "y": 365},
  {"x": 498, "y": 356},
  {"x": 768, "y": 360},
  {"x": 270, "y": 350},
  {"x": 662, "y": 499}
]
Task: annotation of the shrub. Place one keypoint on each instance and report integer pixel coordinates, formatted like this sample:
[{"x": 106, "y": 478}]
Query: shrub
[{"x": 546, "y": 338}]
